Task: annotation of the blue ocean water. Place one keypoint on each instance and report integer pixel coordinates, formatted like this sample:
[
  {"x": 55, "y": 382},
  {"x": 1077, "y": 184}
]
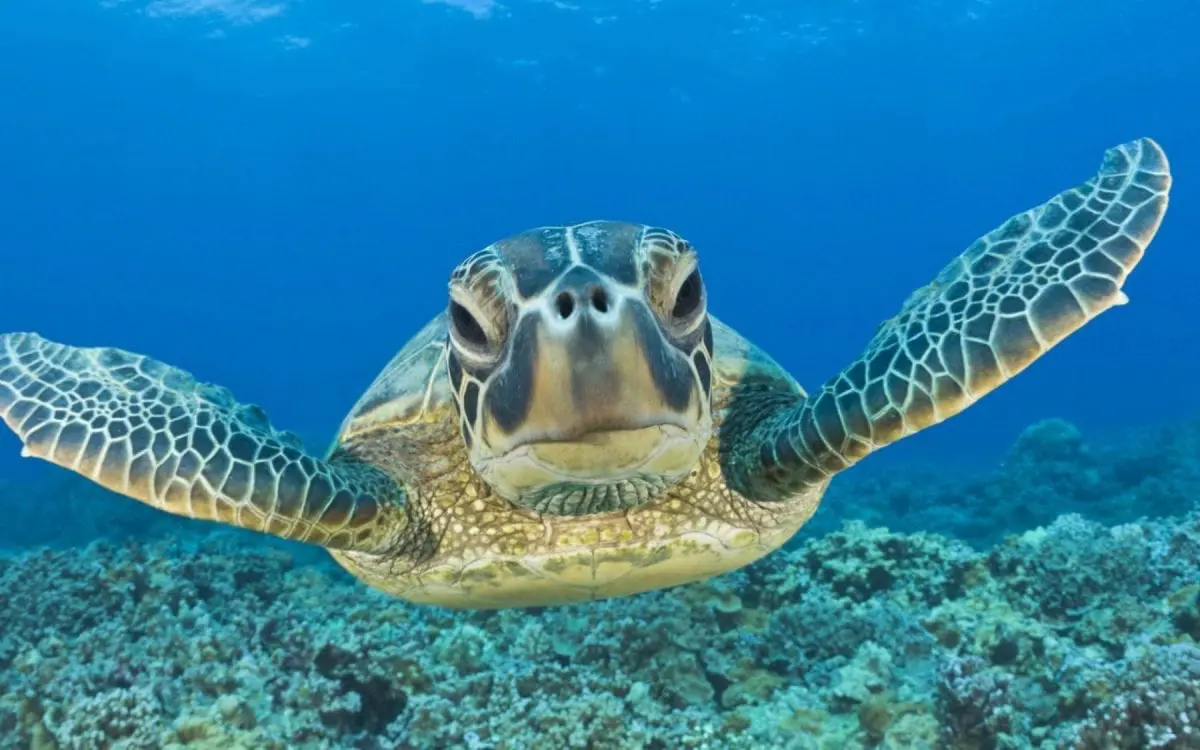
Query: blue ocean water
[{"x": 272, "y": 194}]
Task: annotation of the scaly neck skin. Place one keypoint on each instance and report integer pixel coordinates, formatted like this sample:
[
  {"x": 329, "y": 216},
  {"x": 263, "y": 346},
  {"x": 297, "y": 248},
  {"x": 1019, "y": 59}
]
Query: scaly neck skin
[
  {"x": 578, "y": 499},
  {"x": 757, "y": 412},
  {"x": 783, "y": 455}
]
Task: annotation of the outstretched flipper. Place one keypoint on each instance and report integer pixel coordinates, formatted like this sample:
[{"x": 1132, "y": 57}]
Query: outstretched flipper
[
  {"x": 150, "y": 431},
  {"x": 1006, "y": 301}
]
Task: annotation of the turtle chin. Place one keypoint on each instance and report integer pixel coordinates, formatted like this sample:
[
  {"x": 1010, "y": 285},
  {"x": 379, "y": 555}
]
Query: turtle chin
[{"x": 594, "y": 472}]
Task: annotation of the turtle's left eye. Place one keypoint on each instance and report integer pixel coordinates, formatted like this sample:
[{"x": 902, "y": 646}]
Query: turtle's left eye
[
  {"x": 467, "y": 326},
  {"x": 689, "y": 296}
]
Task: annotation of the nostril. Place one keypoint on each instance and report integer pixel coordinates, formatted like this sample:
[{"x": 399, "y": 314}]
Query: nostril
[
  {"x": 565, "y": 304},
  {"x": 599, "y": 300}
]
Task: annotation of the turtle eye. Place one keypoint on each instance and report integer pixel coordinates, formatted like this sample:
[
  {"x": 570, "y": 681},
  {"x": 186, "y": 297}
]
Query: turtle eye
[
  {"x": 466, "y": 326},
  {"x": 689, "y": 296}
]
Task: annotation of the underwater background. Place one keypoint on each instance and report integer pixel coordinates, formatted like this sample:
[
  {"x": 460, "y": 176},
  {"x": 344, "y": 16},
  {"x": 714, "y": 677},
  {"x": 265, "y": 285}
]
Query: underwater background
[{"x": 271, "y": 194}]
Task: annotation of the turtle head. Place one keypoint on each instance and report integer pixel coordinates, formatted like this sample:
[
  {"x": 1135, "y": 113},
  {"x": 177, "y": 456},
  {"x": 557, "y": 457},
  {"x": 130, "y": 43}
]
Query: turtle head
[{"x": 580, "y": 359}]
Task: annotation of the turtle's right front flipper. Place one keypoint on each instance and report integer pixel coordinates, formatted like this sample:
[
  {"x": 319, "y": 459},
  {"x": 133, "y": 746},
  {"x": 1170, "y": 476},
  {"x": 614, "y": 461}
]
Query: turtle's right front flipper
[{"x": 150, "y": 431}]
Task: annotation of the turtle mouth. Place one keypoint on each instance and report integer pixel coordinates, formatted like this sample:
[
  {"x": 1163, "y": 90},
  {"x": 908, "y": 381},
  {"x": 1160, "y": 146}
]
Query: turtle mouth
[
  {"x": 630, "y": 462},
  {"x": 604, "y": 456},
  {"x": 601, "y": 433}
]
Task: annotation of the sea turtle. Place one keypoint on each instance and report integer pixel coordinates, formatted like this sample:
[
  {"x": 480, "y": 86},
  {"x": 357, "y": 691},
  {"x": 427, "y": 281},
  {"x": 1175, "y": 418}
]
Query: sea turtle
[{"x": 576, "y": 425}]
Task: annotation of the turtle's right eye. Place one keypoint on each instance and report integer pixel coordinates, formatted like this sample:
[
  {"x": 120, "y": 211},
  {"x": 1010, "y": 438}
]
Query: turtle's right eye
[{"x": 466, "y": 326}]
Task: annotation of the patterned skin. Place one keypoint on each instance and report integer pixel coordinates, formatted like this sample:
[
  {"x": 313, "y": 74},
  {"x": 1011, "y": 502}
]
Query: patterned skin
[{"x": 577, "y": 425}]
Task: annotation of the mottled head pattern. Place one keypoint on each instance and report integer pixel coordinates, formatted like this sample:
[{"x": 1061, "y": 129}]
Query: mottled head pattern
[{"x": 580, "y": 359}]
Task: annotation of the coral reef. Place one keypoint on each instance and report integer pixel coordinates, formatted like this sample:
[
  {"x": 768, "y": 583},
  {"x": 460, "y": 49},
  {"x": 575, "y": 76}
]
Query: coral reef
[
  {"x": 1051, "y": 470},
  {"x": 1073, "y": 633}
]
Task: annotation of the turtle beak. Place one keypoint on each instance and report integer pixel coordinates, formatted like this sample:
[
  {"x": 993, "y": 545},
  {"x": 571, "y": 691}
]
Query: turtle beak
[{"x": 592, "y": 362}]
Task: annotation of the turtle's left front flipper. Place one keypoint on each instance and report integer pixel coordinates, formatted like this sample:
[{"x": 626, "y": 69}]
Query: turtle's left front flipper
[
  {"x": 151, "y": 432},
  {"x": 1013, "y": 295}
]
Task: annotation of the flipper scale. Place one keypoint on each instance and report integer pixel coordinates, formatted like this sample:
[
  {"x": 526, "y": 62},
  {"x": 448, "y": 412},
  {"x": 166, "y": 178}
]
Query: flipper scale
[
  {"x": 1008, "y": 299},
  {"x": 150, "y": 431}
]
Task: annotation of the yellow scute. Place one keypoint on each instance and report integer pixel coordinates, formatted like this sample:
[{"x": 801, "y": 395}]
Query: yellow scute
[{"x": 579, "y": 575}]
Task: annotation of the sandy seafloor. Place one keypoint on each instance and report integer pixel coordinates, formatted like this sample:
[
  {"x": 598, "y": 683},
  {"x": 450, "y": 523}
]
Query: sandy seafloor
[{"x": 1060, "y": 609}]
